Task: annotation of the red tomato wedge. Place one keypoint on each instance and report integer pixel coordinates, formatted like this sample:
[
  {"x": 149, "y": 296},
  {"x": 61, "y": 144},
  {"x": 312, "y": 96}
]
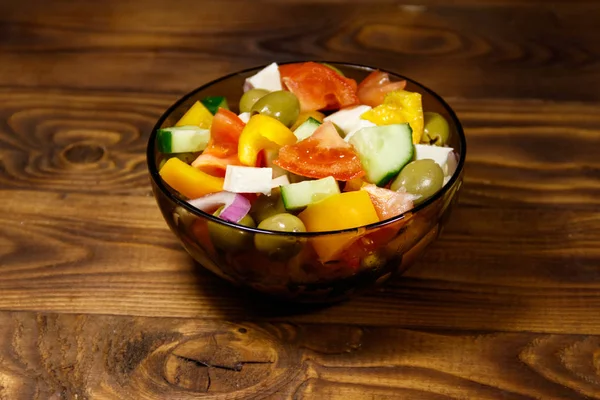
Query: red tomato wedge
[
  {"x": 225, "y": 134},
  {"x": 322, "y": 154},
  {"x": 318, "y": 87},
  {"x": 222, "y": 147},
  {"x": 373, "y": 88},
  {"x": 388, "y": 203}
]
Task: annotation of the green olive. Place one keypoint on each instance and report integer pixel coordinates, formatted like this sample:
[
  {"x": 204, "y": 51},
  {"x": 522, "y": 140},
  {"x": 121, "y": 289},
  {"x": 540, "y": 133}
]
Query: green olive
[
  {"x": 250, "y": 97},
  {"x": 267, "y": 206},
  {"x": 228, "y": 238},
  {"x": 421, "y": 178},
  {"x": 281, "y": 105},
  {"x": 280, "y": 246},
  {"x": 436, "y": 130}
]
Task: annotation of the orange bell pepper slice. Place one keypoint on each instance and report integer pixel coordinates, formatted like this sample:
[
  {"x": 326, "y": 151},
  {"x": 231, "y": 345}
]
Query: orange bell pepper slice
[
  {"x": 340, "y": 211},
  {"x": 189, "y": 181}
]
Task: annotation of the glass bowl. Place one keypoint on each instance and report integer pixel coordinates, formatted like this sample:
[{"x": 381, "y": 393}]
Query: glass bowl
[{"x": 379, "y": 251}]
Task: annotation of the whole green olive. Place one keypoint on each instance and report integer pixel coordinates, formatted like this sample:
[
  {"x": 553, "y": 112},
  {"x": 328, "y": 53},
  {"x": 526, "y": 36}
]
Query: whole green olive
[
  {"x": 436, "y": 130},
  {"x": 250, "y": 97},
  {"x": 228, "y": 238},
  {"x": 281, "y": 105},
  {"x": 279, "y": 246},
  {"x": 267, "y": 206},
  {"x": 421, "y": 178}
]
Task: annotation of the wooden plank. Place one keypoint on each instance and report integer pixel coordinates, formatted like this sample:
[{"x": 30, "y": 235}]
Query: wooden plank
[
  {"x": 531, "y": 50},
  {"x": 48, "y": 356},
  {"x": 493, "y": 269},
  {"x": 520, "y": 153}
]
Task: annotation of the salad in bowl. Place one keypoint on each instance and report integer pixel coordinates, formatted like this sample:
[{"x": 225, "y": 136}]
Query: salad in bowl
[{"x": 307, "y": 180}]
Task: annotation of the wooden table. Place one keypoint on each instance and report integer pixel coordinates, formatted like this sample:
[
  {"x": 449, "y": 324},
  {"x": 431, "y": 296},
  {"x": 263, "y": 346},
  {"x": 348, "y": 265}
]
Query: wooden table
[{"x": 98, "y": 300}]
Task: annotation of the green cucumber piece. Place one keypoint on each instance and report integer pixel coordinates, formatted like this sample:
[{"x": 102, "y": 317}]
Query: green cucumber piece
[
  {"x": 383, "y": 151},
  {"x": 307, "y": 128},
  {"x": 300, "y": 195},
  {"x": 182, "y": 139},
  {"x": 213, "y": 103}
]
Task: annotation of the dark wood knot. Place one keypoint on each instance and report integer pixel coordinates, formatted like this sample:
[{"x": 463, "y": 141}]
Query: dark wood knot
[
  {"x": 220, "y": 363},
  {"x": 83, "y": 153}
]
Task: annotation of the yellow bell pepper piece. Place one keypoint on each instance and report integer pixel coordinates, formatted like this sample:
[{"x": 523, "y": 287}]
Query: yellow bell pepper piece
[
  {"x": 319, "y": 116},
  {"x": 197, "y": 115},
  {"x": 189, "y": 181},
  {"x": 262, "y": 132},
  {"x": 399, "y": 107},
  {"x": 340, "y": 211}
]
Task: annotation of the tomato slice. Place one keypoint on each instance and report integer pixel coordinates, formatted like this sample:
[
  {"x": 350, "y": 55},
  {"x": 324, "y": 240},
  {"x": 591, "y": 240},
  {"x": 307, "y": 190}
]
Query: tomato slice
[
  {"x": 388, "y": 203},
  {"x": 225, "y": 134},
  {"x": 322, "y": 154},
  {"x": 222, "y": 147},
  {"x": 375, "y": 86},
  {"x": 318, "y": 87}
]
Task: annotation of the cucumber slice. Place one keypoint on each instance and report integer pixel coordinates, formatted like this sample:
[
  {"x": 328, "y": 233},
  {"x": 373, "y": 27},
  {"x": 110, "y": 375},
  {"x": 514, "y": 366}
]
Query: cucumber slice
[
  {"x": 307, "y": 128},
  {"x": 213, "y": 103},
  {"x": 383, "y": 150},
  {"x": 300, "y": 195},
  {"x": 182, "y": 139}
]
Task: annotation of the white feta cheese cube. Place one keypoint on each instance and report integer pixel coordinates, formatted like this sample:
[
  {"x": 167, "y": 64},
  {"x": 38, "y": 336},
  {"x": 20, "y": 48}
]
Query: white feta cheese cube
[
  {"x": 267, "y": 78},
  {"x": 348, "y": 118},
  {"x": 239, "y": 179}
]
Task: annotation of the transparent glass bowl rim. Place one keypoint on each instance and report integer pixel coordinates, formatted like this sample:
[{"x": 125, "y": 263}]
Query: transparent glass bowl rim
[{"x": 153, "y": 169}]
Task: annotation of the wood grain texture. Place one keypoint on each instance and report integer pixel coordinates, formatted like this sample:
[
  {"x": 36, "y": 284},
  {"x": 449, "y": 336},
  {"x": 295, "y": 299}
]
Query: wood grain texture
[
  {"x": 493, "y": 51},
  {"x": 80, "y": 356}
]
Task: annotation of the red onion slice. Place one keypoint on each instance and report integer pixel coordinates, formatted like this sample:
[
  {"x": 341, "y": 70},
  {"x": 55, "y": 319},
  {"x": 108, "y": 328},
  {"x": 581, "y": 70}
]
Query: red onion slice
[{"x": 236, "y": 205}]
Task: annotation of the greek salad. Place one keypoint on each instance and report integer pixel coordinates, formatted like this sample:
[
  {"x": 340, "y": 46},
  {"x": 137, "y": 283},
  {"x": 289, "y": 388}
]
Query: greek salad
[{"x": 308, "y": 150}]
